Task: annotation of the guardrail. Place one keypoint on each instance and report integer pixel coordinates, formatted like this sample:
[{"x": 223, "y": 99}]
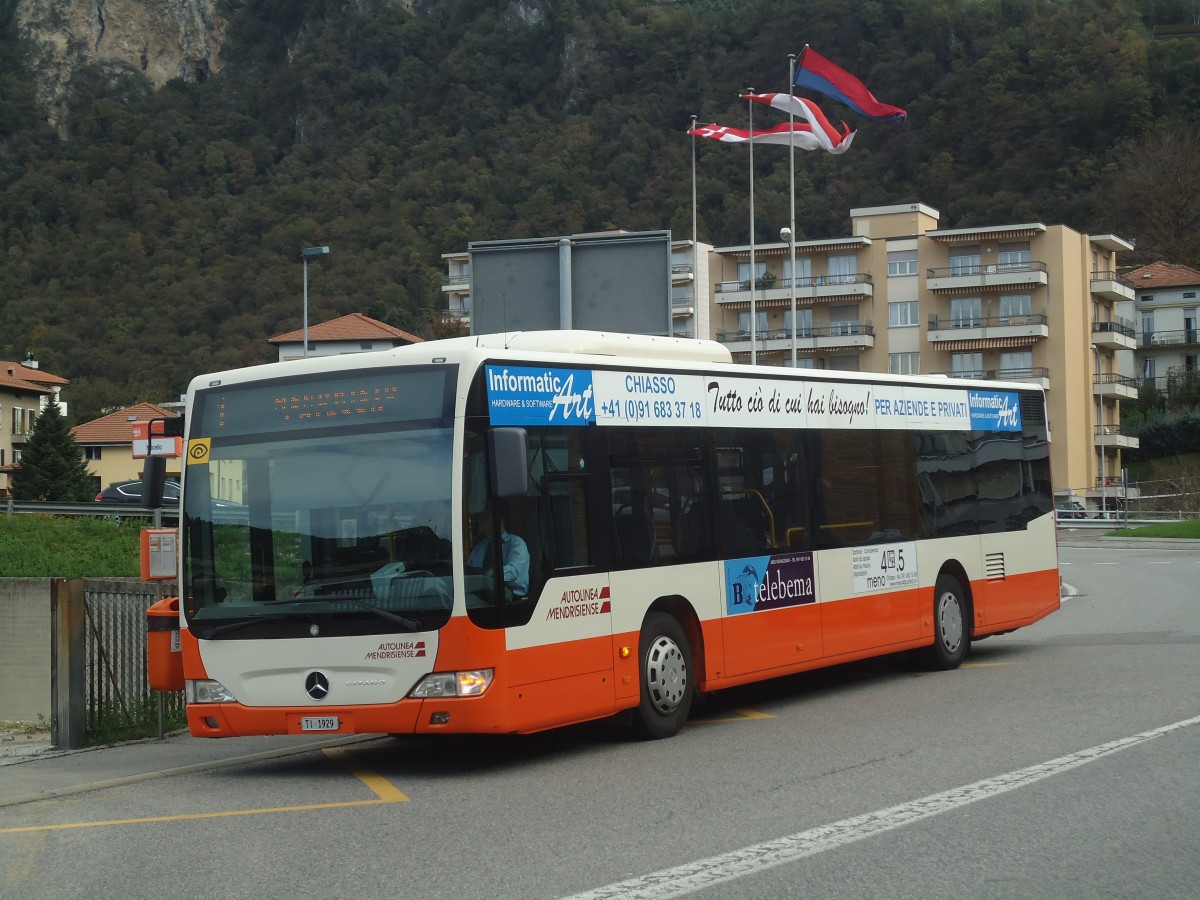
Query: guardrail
[{"x": 104, "y": 510}]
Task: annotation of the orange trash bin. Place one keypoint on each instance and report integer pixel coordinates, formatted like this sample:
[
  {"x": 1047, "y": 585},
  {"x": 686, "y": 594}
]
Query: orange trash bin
[{"x": 164, "y": 660}]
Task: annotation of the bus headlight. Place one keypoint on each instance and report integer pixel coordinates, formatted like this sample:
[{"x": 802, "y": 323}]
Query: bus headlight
[
  {"x": 207, "y": 691},
  {"x": 454, "y": 684}
]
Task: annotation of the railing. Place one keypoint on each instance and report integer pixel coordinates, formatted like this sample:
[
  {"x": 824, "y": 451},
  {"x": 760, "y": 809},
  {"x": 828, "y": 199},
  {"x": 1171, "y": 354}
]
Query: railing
[
  {"x": 1110, "y": 431},
  {"x": 837, "y": 329},
  {"x": 1170, "y": 338},
  {"x": 770, "y": 281},
  {"x": 104, "y": 510},
  {"x": 1019, "y": 374},
  {"x": 1114, "y": 378},
  {"x": 681, "y": 269},
  {"x": 461, "y": 278},
  {"x": 1120, "y": 326},
  {"x": 939, "y": 323},
  {"x": 1109, "y": 275},
  {"x": 985, "y": 269}
]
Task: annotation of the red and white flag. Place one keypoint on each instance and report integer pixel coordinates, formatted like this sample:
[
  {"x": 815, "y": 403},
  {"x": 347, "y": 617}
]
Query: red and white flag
[
  {"x": 826, "y": 133},
  {"x": 801, "y": 135}
]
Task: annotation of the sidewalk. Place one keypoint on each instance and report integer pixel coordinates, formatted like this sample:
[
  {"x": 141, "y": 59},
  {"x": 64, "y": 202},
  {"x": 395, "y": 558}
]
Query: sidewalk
[
  {"x": 1096, "y": 539},
  {"x": 30, "y": 769}
]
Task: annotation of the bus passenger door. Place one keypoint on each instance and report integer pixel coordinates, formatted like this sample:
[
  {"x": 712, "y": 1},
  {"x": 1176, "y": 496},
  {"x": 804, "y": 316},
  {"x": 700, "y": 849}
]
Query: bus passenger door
[{"x": 560, "y": 662}]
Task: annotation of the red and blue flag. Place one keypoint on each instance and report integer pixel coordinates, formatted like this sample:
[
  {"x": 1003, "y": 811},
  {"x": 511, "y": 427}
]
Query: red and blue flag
[{"x": 816, "y": 73}]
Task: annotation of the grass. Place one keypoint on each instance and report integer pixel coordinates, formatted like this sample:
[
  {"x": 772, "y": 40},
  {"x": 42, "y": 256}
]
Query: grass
[
  {"x": 34, "y": 546},
  {"x": 1185, "y": 528}
]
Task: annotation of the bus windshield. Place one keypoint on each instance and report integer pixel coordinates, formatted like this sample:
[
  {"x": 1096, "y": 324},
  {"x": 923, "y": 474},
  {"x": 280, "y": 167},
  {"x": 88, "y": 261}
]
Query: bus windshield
[{"x": 340, "y": 524}]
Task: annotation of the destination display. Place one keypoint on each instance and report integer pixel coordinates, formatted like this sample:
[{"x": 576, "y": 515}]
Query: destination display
[{"x": 520, "y": 395}]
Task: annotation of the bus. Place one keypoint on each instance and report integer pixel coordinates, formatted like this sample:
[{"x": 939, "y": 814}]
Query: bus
[{"x": 680, "y": 524}]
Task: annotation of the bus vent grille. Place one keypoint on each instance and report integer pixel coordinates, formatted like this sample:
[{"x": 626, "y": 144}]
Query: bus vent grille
[
  {"x": 994, "y": 565},
  {"x": 1033, "y": 407}
]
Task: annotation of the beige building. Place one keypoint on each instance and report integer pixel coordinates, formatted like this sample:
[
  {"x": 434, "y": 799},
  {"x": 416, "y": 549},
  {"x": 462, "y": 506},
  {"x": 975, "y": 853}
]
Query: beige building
[
  {"x": 24, "y": 390},
  {"x": 107, "y": 444},
  {"x": 1026, "y": 302}
]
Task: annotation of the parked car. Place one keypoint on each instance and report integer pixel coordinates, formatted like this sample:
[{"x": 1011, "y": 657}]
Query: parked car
[
  {"x": 131, "y": 492},
  {"x": 1070, "y": 509}
]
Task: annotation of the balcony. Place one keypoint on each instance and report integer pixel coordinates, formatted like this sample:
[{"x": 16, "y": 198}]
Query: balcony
[
  {"x": 1112, "y": 286},
  {"x": 983, "y": 332},
  {"x": 1038, "y": 375},
  {"x": 777, "y": 292},
  {"x": 838, "y": 336},
  {"x": 1109, "y": 436},
  {"x": 1185, "y": 337},
  {"x": 989, "y": 277},
  {"x": 1118, "y": 334},
  {"x": 1113, "y": 386}
]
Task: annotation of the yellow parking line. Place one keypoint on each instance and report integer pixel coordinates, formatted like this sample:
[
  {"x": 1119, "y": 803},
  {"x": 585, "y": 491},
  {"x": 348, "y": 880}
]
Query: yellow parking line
[
  {"x": 742, "y": 716},
  {"x": 382, "y": 788},
  {"x": 384, "y": 792}
]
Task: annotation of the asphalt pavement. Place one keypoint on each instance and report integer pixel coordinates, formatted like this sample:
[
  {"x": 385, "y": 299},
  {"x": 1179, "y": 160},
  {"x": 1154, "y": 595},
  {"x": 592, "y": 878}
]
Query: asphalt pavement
[{"x": 32, "y": 769}]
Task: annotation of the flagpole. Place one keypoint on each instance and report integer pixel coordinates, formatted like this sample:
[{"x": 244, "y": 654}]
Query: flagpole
[
  {"x": 792, "y": 192},
  {"x": 695, "y": 245},
  {"x": 753, "y": 312}
]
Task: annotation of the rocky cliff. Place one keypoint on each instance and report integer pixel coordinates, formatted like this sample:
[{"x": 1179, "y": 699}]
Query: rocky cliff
[{"x": 162, "y": 39}]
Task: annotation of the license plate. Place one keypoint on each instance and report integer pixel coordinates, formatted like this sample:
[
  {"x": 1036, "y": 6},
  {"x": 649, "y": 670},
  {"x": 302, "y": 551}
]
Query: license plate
[{"x": 319, "y": 723}]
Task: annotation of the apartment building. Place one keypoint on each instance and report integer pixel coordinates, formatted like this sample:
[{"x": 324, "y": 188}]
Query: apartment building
[
  {"x": 24, "y": 391},
  {"x": 1169, "y": 346},
  {"x": 1026, "y": 302}
]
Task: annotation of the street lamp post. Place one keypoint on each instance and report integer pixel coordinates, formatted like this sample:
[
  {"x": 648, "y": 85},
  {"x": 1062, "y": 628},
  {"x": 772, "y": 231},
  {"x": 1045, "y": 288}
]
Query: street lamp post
[
  {"x": 305, "y": 254},
  {"x": 1100, "y": 427}
]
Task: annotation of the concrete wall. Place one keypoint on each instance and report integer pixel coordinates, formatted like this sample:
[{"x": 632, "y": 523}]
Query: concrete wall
[{"x": 25, "y": 649}]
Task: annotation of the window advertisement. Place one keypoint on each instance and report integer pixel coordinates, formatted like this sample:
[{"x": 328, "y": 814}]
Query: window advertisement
[
  {"x": 525, "y": 395},
  {"x": 768, "y": 582}
]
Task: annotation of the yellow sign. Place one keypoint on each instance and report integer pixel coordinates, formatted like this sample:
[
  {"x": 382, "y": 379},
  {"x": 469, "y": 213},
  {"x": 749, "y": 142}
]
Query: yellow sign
[{"x": 198, "y": 450}]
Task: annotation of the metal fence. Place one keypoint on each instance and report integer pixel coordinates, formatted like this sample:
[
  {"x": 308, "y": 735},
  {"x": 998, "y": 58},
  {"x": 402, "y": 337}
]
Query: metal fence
[{"x": 118, "y": 693}]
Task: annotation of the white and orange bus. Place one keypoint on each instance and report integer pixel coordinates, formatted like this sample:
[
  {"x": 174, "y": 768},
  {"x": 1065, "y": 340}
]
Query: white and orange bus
[{"x": 690, "y": 525}]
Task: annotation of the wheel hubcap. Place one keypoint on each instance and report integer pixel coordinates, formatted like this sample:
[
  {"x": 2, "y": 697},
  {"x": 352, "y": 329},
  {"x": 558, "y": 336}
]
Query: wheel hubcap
[
  {"x": 666, "y": 675},
  {"x": 950, "y": 622}
]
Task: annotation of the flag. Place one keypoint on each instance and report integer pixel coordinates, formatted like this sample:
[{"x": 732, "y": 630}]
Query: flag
[
  {"x": 802, "y": 136},
  {"x": 828, "y": 137},
  {"x": 816, "y": 73}
]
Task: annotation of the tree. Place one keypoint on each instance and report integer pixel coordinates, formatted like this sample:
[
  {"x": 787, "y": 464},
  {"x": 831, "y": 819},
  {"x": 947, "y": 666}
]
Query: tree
[{"x": 52, "y": 466}]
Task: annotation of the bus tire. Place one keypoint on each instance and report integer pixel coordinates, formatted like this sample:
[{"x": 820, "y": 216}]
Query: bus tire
[
  {"x": 665, "y": 672},
  {"x": 951, "y": 624}
]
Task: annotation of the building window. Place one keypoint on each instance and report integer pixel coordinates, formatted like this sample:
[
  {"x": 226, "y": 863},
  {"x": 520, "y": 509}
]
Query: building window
[
  {"x": 901, "y": 262},
  {"x": 1014, "y": 257},
  {"x": 904, "y": 314},
  {"x": 1189, "y": 295},
  {"x": 1018, "y": 364},
  {"x": 802, "y": 362},
  {"x": 843, "y": 269},
  {"x": 803, "y": 322},
  {"x": 966, "y": 365},
  {"x": 92, "y": 454},
  {"x": 760, "y": 323},
  {"x": 966, "y": 312},
  {"x": 844, "y": 363},
  {"x": 964, "y": 261},
  {"x": 803, "y": 269},
  {"x": 1148, "y": 367},
  {"x": 904, "y": 363},
  {"x": 1015, "y": 305},
  {"x": 843, "y": 319},
  {"x": 744, "y": 272}
]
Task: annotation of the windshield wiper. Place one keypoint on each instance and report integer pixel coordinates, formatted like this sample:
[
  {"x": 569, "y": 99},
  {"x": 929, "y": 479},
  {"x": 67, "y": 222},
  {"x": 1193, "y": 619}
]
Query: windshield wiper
[{"x": 410, "y": 624}]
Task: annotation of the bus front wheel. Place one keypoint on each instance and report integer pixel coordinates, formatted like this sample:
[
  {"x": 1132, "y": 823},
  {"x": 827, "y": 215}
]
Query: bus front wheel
[
  {"x": 665, "y": 658},
  {"x": 951, "y": 624}
]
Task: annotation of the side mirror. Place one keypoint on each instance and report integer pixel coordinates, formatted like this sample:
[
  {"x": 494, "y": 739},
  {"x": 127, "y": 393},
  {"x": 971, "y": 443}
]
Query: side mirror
[
  {"x": 509, "y": 462},
  {"x": 154, "y": 478}
]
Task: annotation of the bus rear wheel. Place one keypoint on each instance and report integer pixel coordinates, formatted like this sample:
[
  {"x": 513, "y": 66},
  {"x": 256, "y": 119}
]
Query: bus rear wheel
[
  {"x": 665, "y": 661},
  {"x": 951, "y": 624}
]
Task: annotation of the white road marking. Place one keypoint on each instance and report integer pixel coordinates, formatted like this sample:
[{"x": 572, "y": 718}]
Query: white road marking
[{"x": 691, "y": 877}]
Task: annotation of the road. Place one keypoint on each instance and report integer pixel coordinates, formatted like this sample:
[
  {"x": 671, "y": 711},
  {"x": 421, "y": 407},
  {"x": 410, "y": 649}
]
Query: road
[{"x": 1061, "y": 761}]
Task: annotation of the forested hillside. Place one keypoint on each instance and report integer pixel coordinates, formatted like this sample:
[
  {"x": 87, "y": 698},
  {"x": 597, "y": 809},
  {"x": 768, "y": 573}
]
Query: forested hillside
[{"x": 158, "y": 236}]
